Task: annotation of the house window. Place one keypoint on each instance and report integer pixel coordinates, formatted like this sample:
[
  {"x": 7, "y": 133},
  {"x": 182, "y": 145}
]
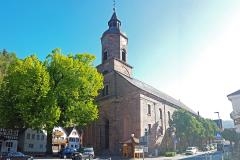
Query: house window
[
  {"x": 149, "y": 128},
  {"x": 9, "y": 144},
  {"x": 38, "y": 137},
  {"x": 33, "y": 136},
  {"x": 28, "y": 136},
  {"x": 41, "y": 146},
  {"x": 71, "y": 139},
  {"x": 105, "y": 55},
  {"x": 149, "y": 109},
  {"x": 77, "y": 139},
  {"x": 124, "y": 55},
  {"x": 30, "y": 145},
  {"x": 160, "y": 113},
  {"x": 42, "y": 137}
]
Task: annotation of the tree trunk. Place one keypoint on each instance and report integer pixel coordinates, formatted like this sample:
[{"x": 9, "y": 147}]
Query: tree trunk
[{"x": 49, "y": 141}]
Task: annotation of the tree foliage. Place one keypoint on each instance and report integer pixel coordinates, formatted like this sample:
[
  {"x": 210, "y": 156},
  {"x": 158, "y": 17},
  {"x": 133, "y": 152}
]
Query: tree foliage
[
  {"x": 5, "y": 60},
  {"x": 58, "y": 91},
  {"x": 231, "y": 135},
  {"x": 25, "y": 100},
  {"x": 74, "y": 83},
  {"x": 192, "y": 130}
]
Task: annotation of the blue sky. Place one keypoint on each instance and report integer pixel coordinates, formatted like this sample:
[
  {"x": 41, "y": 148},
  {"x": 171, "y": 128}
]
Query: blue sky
[{"x": 188, "y": 49}]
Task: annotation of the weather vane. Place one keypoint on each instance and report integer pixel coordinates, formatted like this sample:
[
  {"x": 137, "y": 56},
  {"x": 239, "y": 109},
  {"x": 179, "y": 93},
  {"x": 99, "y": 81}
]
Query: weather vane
[{"x": 114, "y": 4}]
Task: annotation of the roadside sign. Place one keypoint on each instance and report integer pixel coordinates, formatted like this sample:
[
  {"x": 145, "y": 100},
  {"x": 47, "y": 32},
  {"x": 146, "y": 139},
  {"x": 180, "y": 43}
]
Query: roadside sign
[{"x": 218, "y": 136}]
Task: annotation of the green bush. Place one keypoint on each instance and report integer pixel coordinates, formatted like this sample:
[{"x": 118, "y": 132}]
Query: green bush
[{"x": 170, "y": 154}]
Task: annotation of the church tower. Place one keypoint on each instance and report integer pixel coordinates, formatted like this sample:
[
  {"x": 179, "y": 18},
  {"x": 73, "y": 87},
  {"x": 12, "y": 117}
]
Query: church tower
[{"x": 114, "y": 49}]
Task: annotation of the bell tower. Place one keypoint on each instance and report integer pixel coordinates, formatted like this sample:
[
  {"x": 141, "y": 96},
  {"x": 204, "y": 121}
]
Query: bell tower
[{"x": 114, "y": 48}]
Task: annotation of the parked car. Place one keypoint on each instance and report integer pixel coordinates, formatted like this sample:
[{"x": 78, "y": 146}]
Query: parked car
[
  {"x": 15, "y": 155},
  {"x": 84, "y": 153},
  {"x": 191, "y": 150},
  {"x": 88, "y": 152},
  {"x": 67, "y": 152},
  {"x": 220, "y": 147}
]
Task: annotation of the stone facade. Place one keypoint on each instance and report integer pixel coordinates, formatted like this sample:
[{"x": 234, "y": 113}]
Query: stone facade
[
  {"x": 235, "y": 115},
  {"x": 126, "y": 105}
]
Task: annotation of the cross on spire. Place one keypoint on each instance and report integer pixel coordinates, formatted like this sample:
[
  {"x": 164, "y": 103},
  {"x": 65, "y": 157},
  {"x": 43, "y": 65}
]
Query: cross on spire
[{"x": 114, "y": 5}]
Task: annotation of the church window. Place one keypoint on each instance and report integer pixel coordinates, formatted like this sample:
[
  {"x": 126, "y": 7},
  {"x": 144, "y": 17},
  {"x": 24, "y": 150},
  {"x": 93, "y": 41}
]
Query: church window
[
  {"x": 160, "y": 112},
  {"x": 149, "y": 109},
  {"x": 105, "y": 55},
  {"x": 105, "y": 90},
  {"x": 124, "y": 55},
  {"x": 169, "y": 116}
]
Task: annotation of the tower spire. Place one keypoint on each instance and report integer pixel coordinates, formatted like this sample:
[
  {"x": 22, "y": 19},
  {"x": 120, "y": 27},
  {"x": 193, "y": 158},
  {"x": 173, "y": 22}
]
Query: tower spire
[
  {"x": 114, "y": 23},
  {"x": 114, "y": 5}
]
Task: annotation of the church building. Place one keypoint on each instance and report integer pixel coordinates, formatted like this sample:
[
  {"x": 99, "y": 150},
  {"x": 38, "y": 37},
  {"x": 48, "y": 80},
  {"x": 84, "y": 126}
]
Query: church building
[{"x": 127, "y": 107}]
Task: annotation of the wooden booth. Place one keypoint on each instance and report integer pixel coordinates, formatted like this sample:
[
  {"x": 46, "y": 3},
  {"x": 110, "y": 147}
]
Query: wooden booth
[{"x": 131, "y": 148}]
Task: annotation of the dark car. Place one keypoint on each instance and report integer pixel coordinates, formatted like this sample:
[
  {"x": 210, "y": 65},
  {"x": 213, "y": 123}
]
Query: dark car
[
  {"x": 15, "y": 155},
  {"x": 88, "y": 152},
  {"x": 84, "y": 153},
  {"x": 67, "y": 152}
]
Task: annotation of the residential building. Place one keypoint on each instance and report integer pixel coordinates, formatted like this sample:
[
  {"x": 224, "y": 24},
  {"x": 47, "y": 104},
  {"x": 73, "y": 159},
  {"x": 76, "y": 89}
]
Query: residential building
[
  {"x": 8, "y": 140},
  {"x": 235, "y": 114},
  {"x": 59, "y": 139},
  {"x": 32, "y": 141},
  {"x": 74, "y": 138},
  {"x": 66, "y": 137},
  {"x": 128, "y": 106}
]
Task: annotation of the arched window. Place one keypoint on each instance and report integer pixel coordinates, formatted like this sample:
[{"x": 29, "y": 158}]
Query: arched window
[
  {"x": 160, "y": 113},
  {"x": 105, "y": 90},
  {"x": 149, "y": 109},
  {"x": 124, "y": 55},
  {"x": 105, "y": 55},
  {"x": 169, "y": 116}
]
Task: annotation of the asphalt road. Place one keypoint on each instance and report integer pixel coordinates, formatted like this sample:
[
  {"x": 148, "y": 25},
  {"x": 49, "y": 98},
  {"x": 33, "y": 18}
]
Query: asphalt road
[
  {"x": 214, "y": 155},
  {"x": 207, "y": 156}
]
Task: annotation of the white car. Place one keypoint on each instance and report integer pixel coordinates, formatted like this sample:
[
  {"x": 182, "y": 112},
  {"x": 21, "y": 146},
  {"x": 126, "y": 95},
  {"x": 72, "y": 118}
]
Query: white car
[{"x": 191, "y": 150}]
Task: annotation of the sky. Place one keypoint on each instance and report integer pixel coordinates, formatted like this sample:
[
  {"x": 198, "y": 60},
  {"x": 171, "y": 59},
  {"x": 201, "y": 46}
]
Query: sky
[{"x": 188, "y": 49}]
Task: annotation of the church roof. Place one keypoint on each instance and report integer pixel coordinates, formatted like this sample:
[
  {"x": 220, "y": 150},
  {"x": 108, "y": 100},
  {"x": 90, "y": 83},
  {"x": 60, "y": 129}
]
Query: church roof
[
  {"x": 114, "y": 26},
  {"x": 234, "y": 93},
  {"x": 143, "y": 86}
]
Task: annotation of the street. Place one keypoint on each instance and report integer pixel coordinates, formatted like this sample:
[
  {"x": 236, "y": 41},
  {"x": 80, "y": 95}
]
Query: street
[
  {"x": 207, "y": 156},
  {"x": 215, "y": 155}
]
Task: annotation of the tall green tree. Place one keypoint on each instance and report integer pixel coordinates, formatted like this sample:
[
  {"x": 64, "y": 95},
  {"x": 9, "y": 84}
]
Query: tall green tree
[
  {"x": 57, "y": 92},
  {"x": 75, "y": 83},
  {"x": 230, "y": 135},
  {"x": 192, "y": 130},
  {"x": 24, "y": 99},
  {"x": 210, "y": 129}
]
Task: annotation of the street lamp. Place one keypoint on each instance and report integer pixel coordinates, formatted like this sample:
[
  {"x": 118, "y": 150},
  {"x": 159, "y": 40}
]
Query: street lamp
[{"x": 219, "y": 120}]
